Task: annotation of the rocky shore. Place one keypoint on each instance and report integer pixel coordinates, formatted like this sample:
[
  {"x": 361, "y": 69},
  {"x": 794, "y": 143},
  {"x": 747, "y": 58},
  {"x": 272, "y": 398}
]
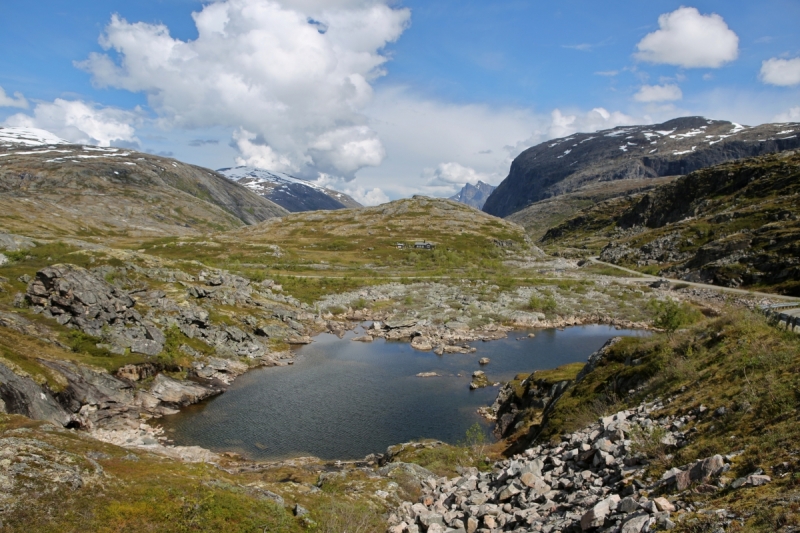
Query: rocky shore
[{"x": 594, "y": 479}]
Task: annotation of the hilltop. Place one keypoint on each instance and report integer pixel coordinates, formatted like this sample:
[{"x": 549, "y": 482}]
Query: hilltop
[
  {"x": 676, "y": 147},
  {"x": 49, "y": 188},
  {"x": 293, "y": 194}
]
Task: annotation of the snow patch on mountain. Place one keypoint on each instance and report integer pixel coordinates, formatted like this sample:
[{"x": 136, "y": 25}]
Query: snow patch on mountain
[{"x": 29, "y": 137}]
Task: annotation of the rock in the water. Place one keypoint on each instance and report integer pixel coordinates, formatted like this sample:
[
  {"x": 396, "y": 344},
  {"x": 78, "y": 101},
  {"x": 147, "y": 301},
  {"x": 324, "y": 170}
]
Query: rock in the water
[{"x": 483, "y": 361}]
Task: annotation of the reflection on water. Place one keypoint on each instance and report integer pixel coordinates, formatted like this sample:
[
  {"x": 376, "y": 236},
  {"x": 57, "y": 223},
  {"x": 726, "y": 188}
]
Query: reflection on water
[{"x": 345, "y": 400}]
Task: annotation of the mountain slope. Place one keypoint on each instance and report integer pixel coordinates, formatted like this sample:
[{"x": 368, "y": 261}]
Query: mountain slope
[
  {"x": 291, "y": 193},
  {"x": 675, "y": 147},
  {"x": 474, "y": 195},
  {"x": 51, "y": 189},
  {"x": 733, "y": 224}
]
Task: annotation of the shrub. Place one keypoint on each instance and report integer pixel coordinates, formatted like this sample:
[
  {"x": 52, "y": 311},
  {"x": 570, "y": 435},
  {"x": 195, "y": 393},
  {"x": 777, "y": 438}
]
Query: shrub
[
  {"x": 671, "y": 315},
  {"x": 546, "y": 304}
]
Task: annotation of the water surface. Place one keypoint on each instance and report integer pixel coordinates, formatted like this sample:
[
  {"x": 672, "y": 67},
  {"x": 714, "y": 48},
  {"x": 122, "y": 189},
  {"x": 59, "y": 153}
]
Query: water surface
[{"x": 344, "y": 400}]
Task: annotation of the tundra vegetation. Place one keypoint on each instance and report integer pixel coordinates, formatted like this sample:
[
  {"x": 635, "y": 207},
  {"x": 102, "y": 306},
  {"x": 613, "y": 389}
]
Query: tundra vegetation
[{"x": 227, "y": 289}]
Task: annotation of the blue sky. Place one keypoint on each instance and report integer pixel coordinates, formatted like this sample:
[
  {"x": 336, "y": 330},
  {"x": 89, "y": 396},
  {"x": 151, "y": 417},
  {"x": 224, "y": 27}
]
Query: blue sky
[{"x": 385, "y": 99}]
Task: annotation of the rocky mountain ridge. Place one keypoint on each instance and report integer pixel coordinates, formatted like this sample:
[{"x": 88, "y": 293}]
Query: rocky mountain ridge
[
  {"x": 293, "y": 194},
  {"x": 675, "y": 147},
  {"x": 474, "y": 195}
]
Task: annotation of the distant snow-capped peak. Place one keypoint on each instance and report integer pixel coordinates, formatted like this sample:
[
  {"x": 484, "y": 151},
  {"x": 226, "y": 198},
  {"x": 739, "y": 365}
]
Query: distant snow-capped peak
[
  {"x": 29, "y": 137},
  {"x": 257, "y": 176}
]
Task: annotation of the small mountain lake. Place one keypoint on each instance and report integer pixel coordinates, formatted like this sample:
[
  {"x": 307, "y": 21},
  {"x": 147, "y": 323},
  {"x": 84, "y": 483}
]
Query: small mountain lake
[{"x": 344, "y": 400}]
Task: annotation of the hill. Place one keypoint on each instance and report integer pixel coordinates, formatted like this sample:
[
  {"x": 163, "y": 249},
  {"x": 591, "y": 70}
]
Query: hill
[
  {"x": 474, "y": 195},
  {"x": 293, "y": 194},
  {"x": 734, "y": 224},
  {"x": 676, "y": 147},
  {"x": 461, "y": 237},
  {"x": 49, "y": 188}
]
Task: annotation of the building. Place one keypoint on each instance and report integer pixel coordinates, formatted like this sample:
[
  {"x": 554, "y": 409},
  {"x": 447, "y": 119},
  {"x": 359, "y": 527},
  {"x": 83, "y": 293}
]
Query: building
[{"x": 423, "y": 245}]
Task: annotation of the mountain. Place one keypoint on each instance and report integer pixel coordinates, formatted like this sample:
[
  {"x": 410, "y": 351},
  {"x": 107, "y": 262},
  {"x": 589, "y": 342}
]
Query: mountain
[
  {"x": 734, "y": 224},
  {"x": 676, "y": 147},
  {"x": 474, "y": 195},
  {"x": 293, "y": 194},
  {"x": 51, "y": 188}
]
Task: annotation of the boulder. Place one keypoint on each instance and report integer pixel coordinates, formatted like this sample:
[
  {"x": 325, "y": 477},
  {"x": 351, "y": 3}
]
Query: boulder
[
  {"x": 23, "y": 396},
  {"x": 707, "y": 468},
  {"x": 596, "y": 516},
  {"x": 422, "y": 343},
  {"x": 179, "y": 393}
]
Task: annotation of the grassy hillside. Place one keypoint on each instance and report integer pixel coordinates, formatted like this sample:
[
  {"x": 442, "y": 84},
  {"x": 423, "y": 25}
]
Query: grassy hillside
[
  {"x": 363, "y": 242},
  {"x": 112, "y": 193}
]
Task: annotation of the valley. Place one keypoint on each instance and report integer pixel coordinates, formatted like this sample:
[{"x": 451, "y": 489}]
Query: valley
[{"x": 136, "y": 290}]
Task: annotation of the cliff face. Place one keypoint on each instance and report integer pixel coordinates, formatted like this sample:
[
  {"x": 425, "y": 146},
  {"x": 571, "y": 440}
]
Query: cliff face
[{"x": 676, "y": 147}]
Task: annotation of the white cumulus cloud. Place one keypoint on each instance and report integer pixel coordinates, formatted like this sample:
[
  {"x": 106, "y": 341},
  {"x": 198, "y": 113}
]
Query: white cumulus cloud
[
  {"x": 295, "y": 75},
  {"x": 791, "y": 115},
  {"x": 688, "y": 39},
  {"x": 784, "y": 72},
  {"x": 658, "y": 93},
  {"x": 362, "y": 195},
  {"x": 80, "y": 122},
  {"x": 453, "y": 175},
  {"x": 421, "y": 134},
  {"x": 17, "y": 101}
]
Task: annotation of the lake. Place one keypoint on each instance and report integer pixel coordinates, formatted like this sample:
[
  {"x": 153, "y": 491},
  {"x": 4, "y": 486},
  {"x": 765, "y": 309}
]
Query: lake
[{"x": 344, "y": 400}]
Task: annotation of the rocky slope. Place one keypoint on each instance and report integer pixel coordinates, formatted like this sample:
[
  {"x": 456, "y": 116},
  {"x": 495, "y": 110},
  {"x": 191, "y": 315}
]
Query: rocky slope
[
  {"x": 474, "y": 195},
  {"x": 733, "y": 224},
  {"x": 291, "y": 193},
  {"x": 540, "y": 216},
  {"x": 676, "y": 147},
  {"x": 61, "y": 189}
]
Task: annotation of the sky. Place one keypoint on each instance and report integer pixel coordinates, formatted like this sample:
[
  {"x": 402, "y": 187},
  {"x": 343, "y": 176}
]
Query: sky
[{"x": 383, "y": 99}]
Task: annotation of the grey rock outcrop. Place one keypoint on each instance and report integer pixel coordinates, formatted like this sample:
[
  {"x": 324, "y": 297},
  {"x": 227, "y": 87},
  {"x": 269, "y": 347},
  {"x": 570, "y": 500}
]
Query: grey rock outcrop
[
  {"x": 76, "y": 297},
  {"x": 180, "y": 393},
  {"x": 22, "y": 395}
]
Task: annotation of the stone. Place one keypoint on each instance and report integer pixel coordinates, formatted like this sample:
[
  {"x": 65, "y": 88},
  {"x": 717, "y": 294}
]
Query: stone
[
  {"x": 627, "y": 505},
  {"x": 427, "y": 375},
  {"x": 428, "y": 518},
  {"x": 705, "y": 469},
  {"x": 508, "y": 492},
  {"x": 636, "y": 524},
  {"x": 664, "y": 505},
  {"x": 472, "y": 524},
  {"x": 299, "y": 510},
  {"x": 758, "y": 480},
  {"x": 483, "y": 361},
  {"x": 596, "y": 516},
  {"x": 179, "y": 393},
  {"x": 422, "y": 343}
]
